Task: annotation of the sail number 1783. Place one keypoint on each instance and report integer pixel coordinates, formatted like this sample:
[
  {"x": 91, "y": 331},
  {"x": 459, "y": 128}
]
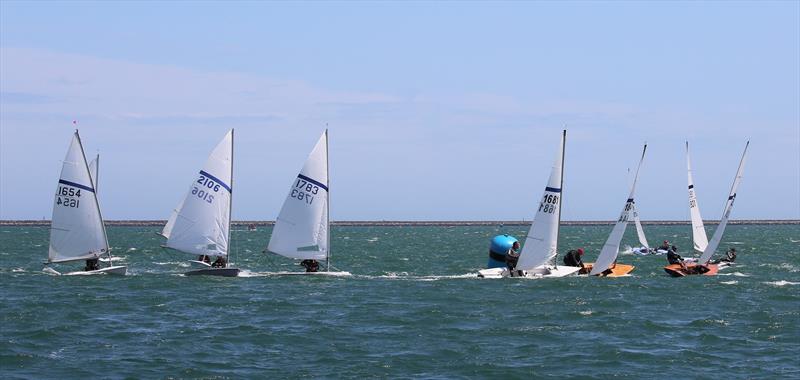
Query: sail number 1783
[{"x": 304, "y": 191}]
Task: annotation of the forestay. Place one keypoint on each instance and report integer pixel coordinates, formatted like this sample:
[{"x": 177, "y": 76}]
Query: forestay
[
  {"x": 200, "y": 224},
  {"x": 301, "y": 229},
  {"x": 541, "y": 244},
  {"x": 726, "y": 213},
  {"x": 639, "y": 230},
  {"x": 698, "y": 230},
  {"x": 611, "y": 248},
  {"x": 77, "y": 231}
]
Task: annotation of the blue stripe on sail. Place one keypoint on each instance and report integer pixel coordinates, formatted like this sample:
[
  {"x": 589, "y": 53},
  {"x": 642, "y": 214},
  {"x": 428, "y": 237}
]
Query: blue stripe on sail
[
  {"x": 732, "y": 196},
  {"x": 552, "y": 189},
  {"x": 691, "y": 187},
  {"x": 215, "y": 179},
  {"x": 630, "y": 200},
  {"x": 73, "y": 184},
  {"x": 313, "y": 181}
]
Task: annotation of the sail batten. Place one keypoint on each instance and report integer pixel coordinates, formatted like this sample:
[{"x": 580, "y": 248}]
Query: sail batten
[
  {"x": 200, "y": 225},
  {"x": 610, "y": 250},
  {"x": 303, "y": 220},
  {"x": 76, "y": 231},
  {"x": 541, "y": 243}
]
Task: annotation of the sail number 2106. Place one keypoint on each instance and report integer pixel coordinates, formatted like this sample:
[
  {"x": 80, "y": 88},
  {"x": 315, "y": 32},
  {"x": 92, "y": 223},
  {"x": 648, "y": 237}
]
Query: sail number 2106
[{"x": 203, "y": 191}]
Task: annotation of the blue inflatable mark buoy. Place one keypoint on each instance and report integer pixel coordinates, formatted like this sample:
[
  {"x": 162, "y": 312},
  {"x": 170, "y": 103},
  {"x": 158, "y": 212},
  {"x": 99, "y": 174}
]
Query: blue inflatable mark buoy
[{"x": 497, "y": 250}]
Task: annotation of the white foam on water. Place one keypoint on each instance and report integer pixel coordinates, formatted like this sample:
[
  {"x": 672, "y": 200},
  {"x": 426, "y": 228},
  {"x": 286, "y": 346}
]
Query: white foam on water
[
  {"x": 733, "y": 282},
  {"x": 51, "y": 271},
  {"x": 735, "y": 274},
  {"x": 17, "y": 270},
  {"x": 586, "y": 312},
  {"x": 782, "y": 283}
]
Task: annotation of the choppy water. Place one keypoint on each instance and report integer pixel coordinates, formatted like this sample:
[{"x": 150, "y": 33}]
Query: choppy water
[{"x": 413, "y": 309}]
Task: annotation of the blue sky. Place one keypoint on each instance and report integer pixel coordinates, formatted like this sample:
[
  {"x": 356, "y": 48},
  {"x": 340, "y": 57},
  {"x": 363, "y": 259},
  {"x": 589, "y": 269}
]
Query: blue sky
[{"x": 437, "y": 110}]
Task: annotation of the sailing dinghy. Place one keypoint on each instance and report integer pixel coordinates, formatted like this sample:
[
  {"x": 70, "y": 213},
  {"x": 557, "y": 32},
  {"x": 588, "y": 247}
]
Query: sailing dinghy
[
  {"x": 702, "y": 265},
  {"x": 77, "y": 231},
  {"x": 644, "y": 248},
  {"x": 537, "y": 258},
  {"x": 201, "y": 224},
  {"x": 606, "y": 264},
  {"x": 302, "y": 230}
]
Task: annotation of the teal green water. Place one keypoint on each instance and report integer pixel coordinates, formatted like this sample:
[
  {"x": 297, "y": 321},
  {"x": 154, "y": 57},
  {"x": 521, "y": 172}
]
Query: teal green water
[{"x": 412, "y": 309}]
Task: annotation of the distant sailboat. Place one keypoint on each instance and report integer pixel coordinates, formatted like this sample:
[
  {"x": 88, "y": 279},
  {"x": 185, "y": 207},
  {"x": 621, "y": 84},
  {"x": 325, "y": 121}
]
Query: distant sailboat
[
  {"x": 699, "y": 237},
  {"x": 541, "y": 243},
  {"x": 644, "y": 248},
  {"x": 201, "y": 223},
  {"x": 302, "y": 228},
  {"x": 608, "y": 255},
  {"x": 77, "y": 231}
]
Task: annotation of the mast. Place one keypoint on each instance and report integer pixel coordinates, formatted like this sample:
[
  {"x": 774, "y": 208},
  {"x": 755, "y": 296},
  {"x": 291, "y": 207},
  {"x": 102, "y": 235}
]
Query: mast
[
  {"x": 327, "y": 206},
  {"x": 561, "y": 201},
  {"x": 97, "y": 204},
  {"x": 230, "y": 208}
]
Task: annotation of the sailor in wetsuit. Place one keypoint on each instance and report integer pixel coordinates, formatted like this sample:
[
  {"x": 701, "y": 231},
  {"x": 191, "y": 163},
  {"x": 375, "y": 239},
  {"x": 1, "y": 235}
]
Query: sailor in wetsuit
[
  {"x": 512, "y": 256},
  {"x": 310, "y": 265},
  {"x": 92, "y": 264},
  {"x": 220, "y": 262},
  {"x": 664, "y": 246},
  {"x": 573, "y": 259}
]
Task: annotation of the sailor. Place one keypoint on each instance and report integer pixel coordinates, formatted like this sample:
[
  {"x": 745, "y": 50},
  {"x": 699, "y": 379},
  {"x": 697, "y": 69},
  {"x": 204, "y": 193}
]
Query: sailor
[
  {"x": 674, "y": 258},
  {"x": 92, "y": 264},
  {"x": 573, "y": 259},
  {"x": 730, "y": 256},
  {"x": 310, "y": 265},
  {"x": 512, "y": 256},
  {"x": 664, "y": 246},
  {"x": 204, "y": 258},
  {"x": 220, "y": 262}
]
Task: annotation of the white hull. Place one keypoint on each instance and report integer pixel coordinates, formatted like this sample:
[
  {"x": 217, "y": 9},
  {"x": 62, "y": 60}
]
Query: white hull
[
  {"x": 333, "y": 274},
  {"x": 119, "y": 270},
  {"x": 538, "y": 272},
  {"x": 220, "y": 272},
  {"x": 644, "y": 251}
]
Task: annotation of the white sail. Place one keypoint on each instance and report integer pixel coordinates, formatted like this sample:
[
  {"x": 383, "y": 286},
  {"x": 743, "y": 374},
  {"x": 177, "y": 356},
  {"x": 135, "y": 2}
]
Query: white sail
[
  {"x": 301, "y": 229},
  {"x": 639, "y": 229},
  {"x": 541, "y": 244},
  {"x": 201, "y": 224},
  {"x": 726, "y": 213},
  {"x": 94, "y": 168},
  {"x": 171, "y": 221},
  {"x": 611, "y": 248},
  {"x": 698, "y": 230},
  {"x": 77, "y": 231}
]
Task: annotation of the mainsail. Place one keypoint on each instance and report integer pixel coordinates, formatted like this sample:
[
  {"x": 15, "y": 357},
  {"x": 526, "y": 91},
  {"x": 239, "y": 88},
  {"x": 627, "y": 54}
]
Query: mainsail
[
  {"x": 541, "y": 244},
  {"x": 639, "y": 229},
  {"x": 698, "y": 230},
  {"x": 726, "y": 213},
  {"x": 301, "y": 229},
  {"x": 611, "y": 248},
  {"x": 77, "y": 231},
  {"x": 200, "y": 225}
]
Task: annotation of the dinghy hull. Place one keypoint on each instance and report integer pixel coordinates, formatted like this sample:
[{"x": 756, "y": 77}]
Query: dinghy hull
[
  {"x": 538, "y": 272},
  {"x": 676, "y": 270},
  {"x": 118, "y": 270},
  {"x": 222, "y": 272},
  {"x": 617, "y": 270}
]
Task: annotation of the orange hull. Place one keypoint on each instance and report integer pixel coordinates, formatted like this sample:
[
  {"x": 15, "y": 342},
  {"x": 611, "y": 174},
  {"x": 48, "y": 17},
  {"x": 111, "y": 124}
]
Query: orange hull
[
  {"x": 676, "y": 270},
  {"x": 616, "y": 270}
]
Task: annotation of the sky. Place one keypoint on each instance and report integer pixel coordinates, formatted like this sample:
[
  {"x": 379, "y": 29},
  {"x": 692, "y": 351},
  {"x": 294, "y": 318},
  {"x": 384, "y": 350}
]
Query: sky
[{"x": 436, "y": 110}]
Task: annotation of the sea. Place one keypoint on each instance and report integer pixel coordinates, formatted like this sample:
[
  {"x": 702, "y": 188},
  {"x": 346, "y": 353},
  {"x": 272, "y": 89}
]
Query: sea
[{"x": 412, "y": 309}]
